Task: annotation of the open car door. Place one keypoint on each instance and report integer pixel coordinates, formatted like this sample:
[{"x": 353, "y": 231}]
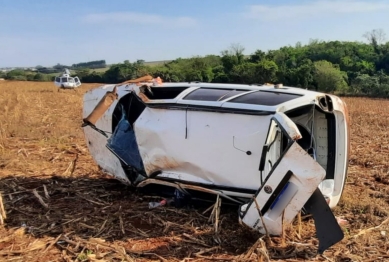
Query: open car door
[
  {"x": 77, "y": 81},
  {"x": 291, "y": 183}
]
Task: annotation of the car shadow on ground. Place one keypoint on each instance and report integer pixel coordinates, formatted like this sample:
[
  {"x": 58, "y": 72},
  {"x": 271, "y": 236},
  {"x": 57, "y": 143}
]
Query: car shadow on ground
[{"x": 83, "y": 213}]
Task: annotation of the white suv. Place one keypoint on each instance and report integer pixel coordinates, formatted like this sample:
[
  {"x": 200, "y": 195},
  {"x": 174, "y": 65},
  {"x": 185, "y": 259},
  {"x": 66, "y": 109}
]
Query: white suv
[{"x": 269, "y": 148}]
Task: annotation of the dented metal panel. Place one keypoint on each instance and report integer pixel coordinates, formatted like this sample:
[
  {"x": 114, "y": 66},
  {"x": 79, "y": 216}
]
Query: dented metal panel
[
  {"x": 301, "y": 181},
  {"x": 104, "y": 158},
  {"x": 102, "y": 106},
  {"x": 214, "y": 148},
  {"x": 95, "y": 141}
]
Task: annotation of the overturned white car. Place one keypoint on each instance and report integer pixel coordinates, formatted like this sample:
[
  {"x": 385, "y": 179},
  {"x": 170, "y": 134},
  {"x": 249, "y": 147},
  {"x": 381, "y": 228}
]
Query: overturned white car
[{"x": 272, "y": 149}]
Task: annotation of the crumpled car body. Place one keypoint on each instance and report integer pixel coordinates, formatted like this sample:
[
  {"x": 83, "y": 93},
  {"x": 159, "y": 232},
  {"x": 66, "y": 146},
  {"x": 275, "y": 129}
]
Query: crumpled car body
[{"x": 274, "y": 150}]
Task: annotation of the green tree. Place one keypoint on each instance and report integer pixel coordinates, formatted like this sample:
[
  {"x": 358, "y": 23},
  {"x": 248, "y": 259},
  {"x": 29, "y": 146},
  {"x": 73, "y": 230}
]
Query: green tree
[
  {"x": 244, "y": 73},
  {"x": 232, "y": 57},
  {"x": 257, "y": 56},
  {"x": 82, "y": 73},
  {"x": 124, "y": 71},
  {"x": 266, "y": 71},
  {"x": 249, "y": 73},
  {"x": 329, "y": 78},
  {"x": 220, "y": 75},
  {"x": 40, "y": 77},
  {"x": 16, "y": 74}
]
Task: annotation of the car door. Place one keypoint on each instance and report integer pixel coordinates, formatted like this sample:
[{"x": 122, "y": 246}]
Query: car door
[
  {"x": 291, "y": 179},
  {"x": 77, "y": 81}
]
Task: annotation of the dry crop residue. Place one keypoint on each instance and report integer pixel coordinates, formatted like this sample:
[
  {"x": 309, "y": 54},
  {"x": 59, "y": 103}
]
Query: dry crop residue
[{"x": 83, "y": 215}]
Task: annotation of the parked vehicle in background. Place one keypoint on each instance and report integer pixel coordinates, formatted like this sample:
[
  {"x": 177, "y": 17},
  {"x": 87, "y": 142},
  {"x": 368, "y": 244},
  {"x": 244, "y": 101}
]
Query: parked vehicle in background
[{"x": 65, "y": 81}]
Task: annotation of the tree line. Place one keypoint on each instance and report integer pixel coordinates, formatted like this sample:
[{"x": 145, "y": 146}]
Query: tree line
[
  {"x": 342, "y": 67},
  {"x": 92, "y": 64}
]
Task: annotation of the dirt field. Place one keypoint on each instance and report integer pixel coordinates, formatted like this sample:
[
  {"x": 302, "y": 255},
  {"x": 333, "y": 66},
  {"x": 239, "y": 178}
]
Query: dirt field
[{"x": 60, "y": 207}]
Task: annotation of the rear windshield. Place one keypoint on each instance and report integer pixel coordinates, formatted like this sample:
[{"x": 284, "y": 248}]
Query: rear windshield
[
  {"x": 212, "y": 94},
  {"x": 264, "y": 98}
]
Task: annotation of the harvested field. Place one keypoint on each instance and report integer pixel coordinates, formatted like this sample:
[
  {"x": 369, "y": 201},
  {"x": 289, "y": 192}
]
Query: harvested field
[{"x": 60, "y": 207}]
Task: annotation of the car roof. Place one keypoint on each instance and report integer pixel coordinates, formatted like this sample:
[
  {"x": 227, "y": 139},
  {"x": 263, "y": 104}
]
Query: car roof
[
  {"x": 261, "y": 87},
  {"x": 254, "y": 97}
]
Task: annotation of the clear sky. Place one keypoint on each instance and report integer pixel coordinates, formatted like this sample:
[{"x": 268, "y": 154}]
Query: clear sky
[{"x": 47, "y": 32}]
